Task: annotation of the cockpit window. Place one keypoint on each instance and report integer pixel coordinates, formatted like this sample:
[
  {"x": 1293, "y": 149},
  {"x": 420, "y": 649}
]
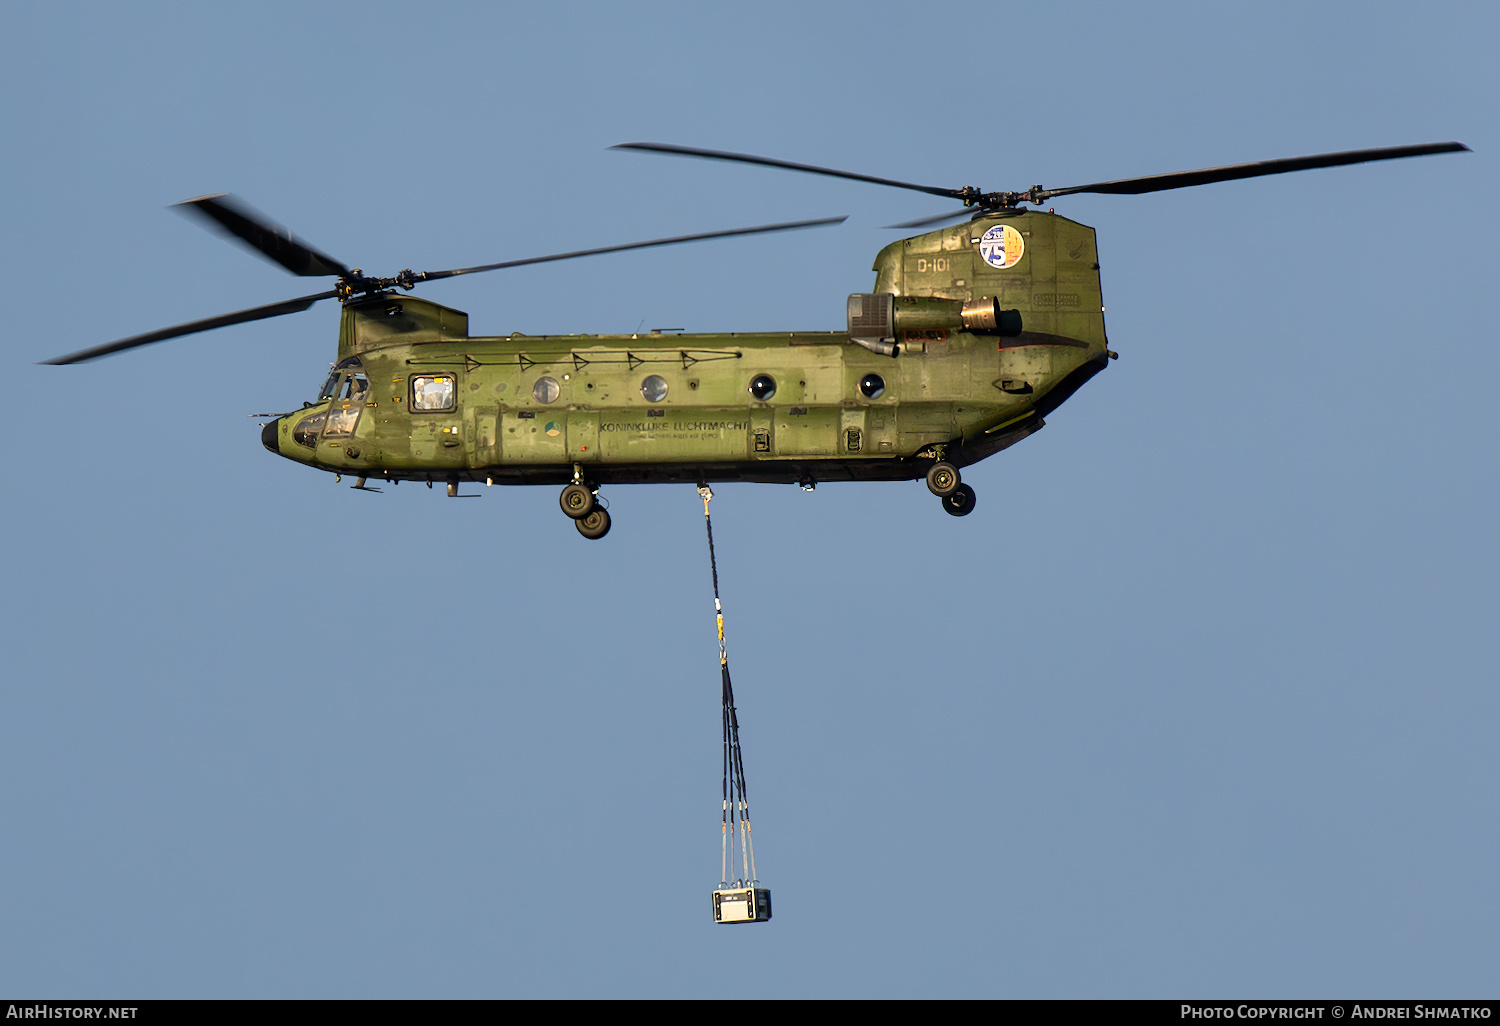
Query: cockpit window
[
  {"x": 306, "y": 433},
  {"x": 341, "y": 420},
  {"x": 347, "y": 381}
]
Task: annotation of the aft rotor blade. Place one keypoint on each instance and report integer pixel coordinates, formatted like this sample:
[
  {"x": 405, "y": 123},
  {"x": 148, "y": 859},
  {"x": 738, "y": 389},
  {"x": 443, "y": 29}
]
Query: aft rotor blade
[
  {"x": 812, "y": 169},
  {"x": 786, "y": 227},
  {"x": 229, "y": 217},
  {"x": 923, "y": 222},
  {"x": 1206, "y": 176},
  {"x": 255, "y": 313}
]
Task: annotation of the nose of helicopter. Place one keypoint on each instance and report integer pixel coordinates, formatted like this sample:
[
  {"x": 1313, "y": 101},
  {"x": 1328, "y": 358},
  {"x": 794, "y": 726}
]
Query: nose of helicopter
[{"x": 268, "y": 435}]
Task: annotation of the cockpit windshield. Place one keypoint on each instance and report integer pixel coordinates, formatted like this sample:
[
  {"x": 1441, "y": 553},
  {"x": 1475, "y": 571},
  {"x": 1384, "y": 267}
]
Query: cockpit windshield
[{"x": 347, "y": 381}]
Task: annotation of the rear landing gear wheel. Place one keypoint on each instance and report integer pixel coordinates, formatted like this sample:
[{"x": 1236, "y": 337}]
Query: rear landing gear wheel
[
  {"x": 942, "y": 479},
  {"x": 577, "y": 501},
  {"x": 960, "y": 503},
  {"x": 595, "y": 524}
]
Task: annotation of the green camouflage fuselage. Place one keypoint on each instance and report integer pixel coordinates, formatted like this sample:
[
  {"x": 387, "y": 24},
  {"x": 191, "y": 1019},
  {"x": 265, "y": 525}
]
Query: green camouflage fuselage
[{"x": 432, "y": 403}]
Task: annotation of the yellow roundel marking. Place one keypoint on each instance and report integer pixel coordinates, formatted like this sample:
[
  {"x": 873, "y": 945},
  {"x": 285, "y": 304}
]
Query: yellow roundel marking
[{"x": 1002, "y": 246}]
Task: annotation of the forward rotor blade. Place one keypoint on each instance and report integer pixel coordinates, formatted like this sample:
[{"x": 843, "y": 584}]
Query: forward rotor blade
[
  {"x": 812, "y": 169},
  {"x": 255, "y": 313},
  {"x": 788, "y": 226},
  {"x": 925, "y": 221},
  {"x": 1185, "y": 179},
  {"x": 229, "y": 217}
]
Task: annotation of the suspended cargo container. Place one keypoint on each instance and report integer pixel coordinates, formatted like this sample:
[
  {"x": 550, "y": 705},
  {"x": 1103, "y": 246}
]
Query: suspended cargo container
[{"x": 742, "y": 905}]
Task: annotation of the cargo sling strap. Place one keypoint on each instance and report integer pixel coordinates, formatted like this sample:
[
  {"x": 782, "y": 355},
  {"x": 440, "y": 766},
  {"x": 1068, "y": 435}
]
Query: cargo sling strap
[{"x": 735, "y": 814}]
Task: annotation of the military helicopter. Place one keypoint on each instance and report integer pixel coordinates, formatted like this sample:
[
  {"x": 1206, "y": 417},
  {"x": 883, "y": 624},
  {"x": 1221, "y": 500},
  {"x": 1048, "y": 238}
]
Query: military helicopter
[{"x": 971, "y": 337}]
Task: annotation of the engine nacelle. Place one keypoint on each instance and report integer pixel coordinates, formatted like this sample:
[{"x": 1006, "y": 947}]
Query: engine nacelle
[
  {"x": 878, "y": 319},
  {"x": 983, "y": 316}
]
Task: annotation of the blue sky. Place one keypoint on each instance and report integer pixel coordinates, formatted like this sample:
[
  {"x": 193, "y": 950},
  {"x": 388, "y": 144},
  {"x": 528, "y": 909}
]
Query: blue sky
[{"x": 1199, "y": 702}]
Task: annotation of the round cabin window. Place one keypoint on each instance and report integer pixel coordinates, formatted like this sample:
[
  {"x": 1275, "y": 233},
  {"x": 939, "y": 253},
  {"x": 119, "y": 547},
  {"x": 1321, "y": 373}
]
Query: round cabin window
[
  {"x": 546, "y": 390},
  {"x": 763, "y": 386},
  {"x": 872, "y": 386},
  {"x": 654, "y": 388}
]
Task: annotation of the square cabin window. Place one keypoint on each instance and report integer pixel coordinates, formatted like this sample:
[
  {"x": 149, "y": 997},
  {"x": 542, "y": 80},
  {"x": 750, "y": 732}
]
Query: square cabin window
[{"x": 432, "y": 393}]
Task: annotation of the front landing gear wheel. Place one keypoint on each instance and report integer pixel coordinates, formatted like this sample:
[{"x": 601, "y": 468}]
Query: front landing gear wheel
[
  {"x": 942, "y": 479},
  {"x": 960, "y": 503},
  {"x": 593, "y": 525},
  {"x": 577, "y": 501}
]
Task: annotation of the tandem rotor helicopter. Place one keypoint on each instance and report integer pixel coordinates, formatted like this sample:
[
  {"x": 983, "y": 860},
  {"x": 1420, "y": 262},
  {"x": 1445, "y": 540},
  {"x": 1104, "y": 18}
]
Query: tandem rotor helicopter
[{"x": 971, "y": 337}]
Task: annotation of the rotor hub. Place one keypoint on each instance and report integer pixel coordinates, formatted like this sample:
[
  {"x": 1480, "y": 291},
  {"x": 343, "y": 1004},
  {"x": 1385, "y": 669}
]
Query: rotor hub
[{"x": 355, "y": 283}]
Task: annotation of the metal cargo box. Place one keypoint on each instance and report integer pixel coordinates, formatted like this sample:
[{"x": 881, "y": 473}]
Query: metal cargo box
[{"x": 742, "y": 905}]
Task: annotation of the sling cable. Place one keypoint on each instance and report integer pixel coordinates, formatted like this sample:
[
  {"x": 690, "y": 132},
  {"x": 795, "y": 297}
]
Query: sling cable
[{"x": 741, "y": 898}]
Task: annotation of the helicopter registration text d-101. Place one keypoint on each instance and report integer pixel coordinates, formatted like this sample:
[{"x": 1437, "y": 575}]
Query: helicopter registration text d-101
[{"x": 972, "y": 335}]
